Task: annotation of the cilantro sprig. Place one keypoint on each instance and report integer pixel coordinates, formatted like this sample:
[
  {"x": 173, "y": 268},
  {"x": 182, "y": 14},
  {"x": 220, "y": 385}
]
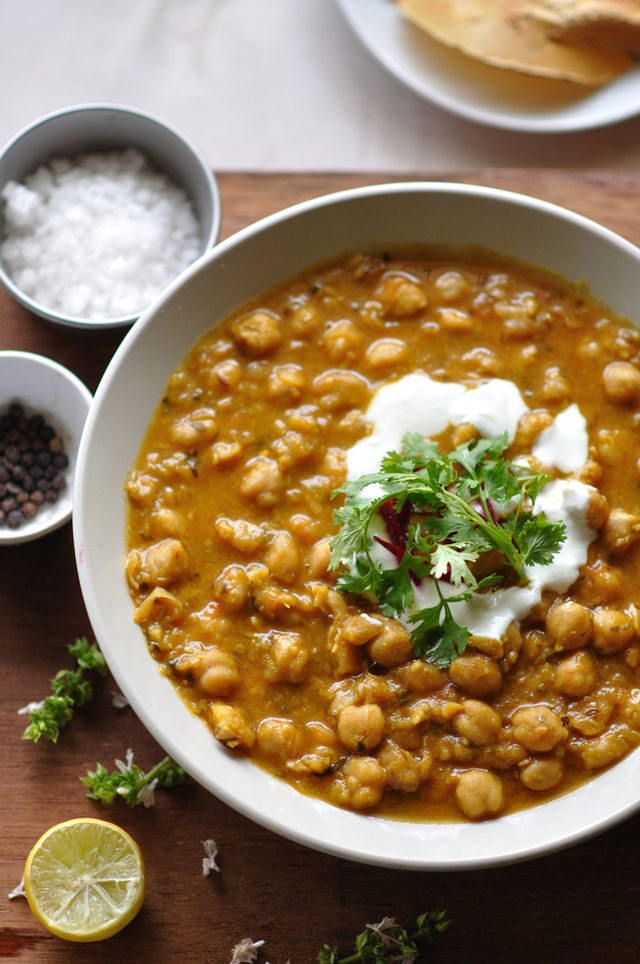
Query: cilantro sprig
[
  {"x": 388, "y": 941},
  {"x": 461, "y": 505},
  {"x": 69, "y": 689}
]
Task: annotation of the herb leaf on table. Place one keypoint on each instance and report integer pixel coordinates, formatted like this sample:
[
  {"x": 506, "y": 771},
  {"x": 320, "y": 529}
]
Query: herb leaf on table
[
  {"x": 131, "y": 783},
  {"x": 387, "y": 941},
  {"x": 69, "y": 689}
]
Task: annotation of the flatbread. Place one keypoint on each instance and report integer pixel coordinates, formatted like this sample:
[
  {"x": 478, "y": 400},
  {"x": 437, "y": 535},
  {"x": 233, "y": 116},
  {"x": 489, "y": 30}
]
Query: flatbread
[
  {"x": 612, "y": 23},
  {"x": 501, "y": 33}
]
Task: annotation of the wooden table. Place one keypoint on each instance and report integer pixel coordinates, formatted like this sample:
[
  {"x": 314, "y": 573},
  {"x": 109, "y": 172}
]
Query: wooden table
[{"x": 580, "y": 905}]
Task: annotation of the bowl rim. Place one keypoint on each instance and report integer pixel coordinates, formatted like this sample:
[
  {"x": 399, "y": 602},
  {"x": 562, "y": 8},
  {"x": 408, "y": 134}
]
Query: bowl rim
[
  {"x": 503, "y": 840},
  {"x": 12, "y": 537},
  {"x": 209, "y": 242}
]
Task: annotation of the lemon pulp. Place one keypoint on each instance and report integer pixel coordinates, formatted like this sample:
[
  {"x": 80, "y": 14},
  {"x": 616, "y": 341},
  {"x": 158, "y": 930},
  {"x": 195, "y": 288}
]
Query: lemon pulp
[{"x": 85, "y": 879}]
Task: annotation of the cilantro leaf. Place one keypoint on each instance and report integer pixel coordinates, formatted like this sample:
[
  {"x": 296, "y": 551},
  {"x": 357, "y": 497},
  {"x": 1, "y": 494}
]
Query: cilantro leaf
[{"x": 458, "y": 506}]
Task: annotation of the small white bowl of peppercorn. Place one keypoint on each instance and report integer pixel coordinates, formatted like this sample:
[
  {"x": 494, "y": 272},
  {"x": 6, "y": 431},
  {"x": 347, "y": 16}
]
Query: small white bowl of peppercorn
[{"x": 43, "y": 408}]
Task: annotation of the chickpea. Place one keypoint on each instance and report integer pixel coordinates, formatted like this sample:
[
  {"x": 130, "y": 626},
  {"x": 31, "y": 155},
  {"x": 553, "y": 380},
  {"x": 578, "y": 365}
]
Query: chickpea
[
  {"x": 263, "y": 482},
  {"x": 210, "y": 622},
  {"x": 530, "y": 426},
  {"x": 600, "y": 583},
  {"x": 166, "y": 522},
  {"x": 479, "y": 794},
  {"x": 420, "y": 676},
  {"x": 282, "y": 558},
  {"x": 621, "y": 383},
  {"x": 334, "y": 464},
  {"x": 360, "y": 628},
  {"x": 542, "y": 775},
  {"x": 287, "y": 659},
  {"x": 569, "y": 625},
  {"x": 621, "y": 531},
  {"x": 159, "y": 604},
  {"x": 331, "y": 602},
  {"x": 341, "y": 340},
  {"x": 476, "y": 674},
  {"x": 405, "y": 771},
  {"x": 231, "y": 589},
  {"x": 279, "y": 737},
  {"x": 303, "y": 528},
  {"x": 478, "y": 723},
  {"x": 257, "y": 334},
  {"x": 223, "y": 454},
  {"x": 360, "y": 783},
  {"x": 597, "y": 511},
  {"x": 454, "y": 320},
  {"x": 591, "y": 473},
  {"x": 361, "y": 728},
  {"x": 217, "y": 673},
  {"x": 142, "y": 489},
  {"x": 292, "y": 449},
  {"x": 386, "y": 352},
  {"x": 576, "y": 675},
  {"x": 612, "y": 630},
  {"x": 341, "y": 389},
  {"x": 556, "y": 387},
  {"x": 465, "y": 432},
  {"x": 194, "y": 430},
  {"x": 348, "y": 660},
  {"x": 162, "y": 564},
  {"x": 538, "y": 729},
  {"x": 605, "y": 748},
  {"x": 286, "y": 383},
  {"x": 451, "y": 286},
  {"x": 536, "y": 646},
  {"x": 230, "y": 726},
  {"x": 226, "y": 374},
  {"x": 391, "y": 647},
  {"x": 513, "y": 640},
  {"x": 485, "y": 361},
  {"x": 319, "y": 559},
  {"x": 400, "y": 297},
  {"x": 305, "y": 321},
  {"x": 243, "y": 536}
]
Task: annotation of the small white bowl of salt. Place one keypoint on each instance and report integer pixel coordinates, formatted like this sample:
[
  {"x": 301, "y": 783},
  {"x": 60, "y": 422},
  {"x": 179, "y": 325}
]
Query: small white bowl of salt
[{"x": 101, "y": 208}]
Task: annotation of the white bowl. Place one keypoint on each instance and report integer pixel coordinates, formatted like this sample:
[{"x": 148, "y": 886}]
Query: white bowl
[
  {"x": 237, "y": 270},
  {"x": 90, "y": 128},
  {"x": 45, "y": 388}
]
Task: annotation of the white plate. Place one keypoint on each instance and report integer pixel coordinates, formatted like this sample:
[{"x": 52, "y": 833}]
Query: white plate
[{"x": 487, "y": 95}]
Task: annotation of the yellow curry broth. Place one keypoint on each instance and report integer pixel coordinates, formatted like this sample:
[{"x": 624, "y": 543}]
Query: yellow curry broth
[{"x": 231, "y": 512}]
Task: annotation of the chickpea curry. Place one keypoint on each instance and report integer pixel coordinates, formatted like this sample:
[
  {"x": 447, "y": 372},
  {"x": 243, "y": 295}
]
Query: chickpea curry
[{"x": 261, "y": 611}]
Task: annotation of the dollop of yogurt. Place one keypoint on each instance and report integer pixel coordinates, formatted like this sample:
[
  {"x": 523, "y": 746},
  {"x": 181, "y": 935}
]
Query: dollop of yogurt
[{"x": 417, "y": 403}]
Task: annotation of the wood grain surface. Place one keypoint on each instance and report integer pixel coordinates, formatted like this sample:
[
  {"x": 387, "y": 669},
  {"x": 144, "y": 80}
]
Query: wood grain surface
[{"x": 579, "y": 905}]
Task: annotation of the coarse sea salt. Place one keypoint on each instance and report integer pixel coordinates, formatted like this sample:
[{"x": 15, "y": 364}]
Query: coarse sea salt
[{"x": 99, "y": 236}]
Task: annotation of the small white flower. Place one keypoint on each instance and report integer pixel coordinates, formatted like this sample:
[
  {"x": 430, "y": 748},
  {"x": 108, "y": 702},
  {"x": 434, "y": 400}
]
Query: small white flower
[
  {"x": 146, "y": 794},
  {"x": 18, "y": 891},
  {"x": 119, "y": 700},
  {"x": 246, "y": 951},
  {"x": 209, "y": 862},
  {"x": 125, "y": 767},
  {"x": 385, "y": 925},
  {"x": 30, "y": 708}
]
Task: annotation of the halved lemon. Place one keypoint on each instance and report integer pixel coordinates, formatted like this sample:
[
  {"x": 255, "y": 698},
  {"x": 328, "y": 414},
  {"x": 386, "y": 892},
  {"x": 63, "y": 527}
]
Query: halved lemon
[{"x": 85, "y": 879}]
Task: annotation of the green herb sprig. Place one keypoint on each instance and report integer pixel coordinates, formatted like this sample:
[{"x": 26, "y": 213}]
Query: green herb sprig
[
  {"x": 69, "y": 689},
  {"x": 130, "y": 782},
  {"x": 463, "y": 505},
  {"x": 387, "y": 941}
]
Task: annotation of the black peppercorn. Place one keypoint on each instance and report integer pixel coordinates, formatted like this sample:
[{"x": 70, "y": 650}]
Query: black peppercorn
[{"x": 32, "y": 464}]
